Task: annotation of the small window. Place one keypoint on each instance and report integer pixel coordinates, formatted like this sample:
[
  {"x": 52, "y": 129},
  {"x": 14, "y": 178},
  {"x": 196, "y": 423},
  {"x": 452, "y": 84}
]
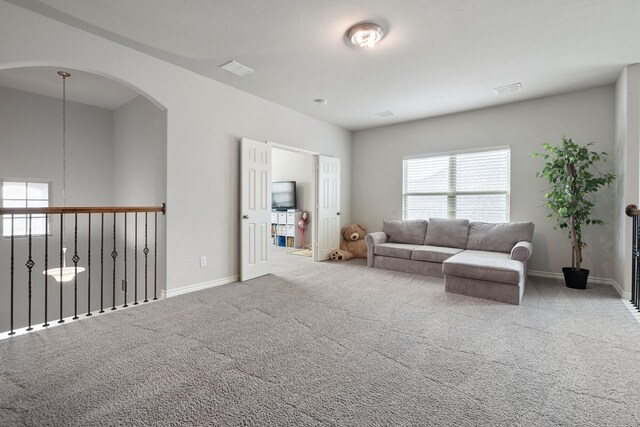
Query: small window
[
  {"x": 24, "y": 194},
  {"x": 467, "y": 185}
]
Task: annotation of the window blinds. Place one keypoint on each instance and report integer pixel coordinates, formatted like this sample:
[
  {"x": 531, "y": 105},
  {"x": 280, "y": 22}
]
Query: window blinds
[{"x": 470, "y": 185}]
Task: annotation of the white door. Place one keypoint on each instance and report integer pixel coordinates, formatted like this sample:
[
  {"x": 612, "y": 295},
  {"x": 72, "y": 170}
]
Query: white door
[
  {"x": 255, "y": 209},
  {"x": 328, "y": 223}
]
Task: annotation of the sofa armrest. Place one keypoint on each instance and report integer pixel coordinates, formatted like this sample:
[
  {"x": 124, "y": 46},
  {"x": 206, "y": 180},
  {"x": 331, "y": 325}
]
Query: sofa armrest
[
  {"x": 373, "y": 239},
  {"x": 522, "y": 251}
]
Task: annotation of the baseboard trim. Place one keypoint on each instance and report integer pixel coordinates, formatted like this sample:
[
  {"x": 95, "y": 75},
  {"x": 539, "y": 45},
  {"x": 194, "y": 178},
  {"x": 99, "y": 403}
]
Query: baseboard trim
[
  {"x": 624, "y": 295},
  {"x": 595, "y": 280},
  {"x": 198, "y": 287}
]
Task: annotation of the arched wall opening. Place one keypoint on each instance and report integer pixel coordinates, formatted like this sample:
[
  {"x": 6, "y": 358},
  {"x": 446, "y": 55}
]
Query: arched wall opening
[{"x": 115, "y": 156}]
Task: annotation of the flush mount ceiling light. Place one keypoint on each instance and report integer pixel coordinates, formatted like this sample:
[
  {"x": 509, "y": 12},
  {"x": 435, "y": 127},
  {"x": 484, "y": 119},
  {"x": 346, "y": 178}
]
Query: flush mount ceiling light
[{"x": 365, "y": 35}]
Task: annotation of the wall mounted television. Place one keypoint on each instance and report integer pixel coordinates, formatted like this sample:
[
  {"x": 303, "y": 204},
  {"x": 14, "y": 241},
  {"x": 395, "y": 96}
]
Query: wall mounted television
[{"x": 283, "y": 195}]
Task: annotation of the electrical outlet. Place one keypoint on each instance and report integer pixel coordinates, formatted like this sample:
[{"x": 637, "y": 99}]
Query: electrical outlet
[
  {"x": 124, "y": 285},
  {"x": 203, "y": 261}
]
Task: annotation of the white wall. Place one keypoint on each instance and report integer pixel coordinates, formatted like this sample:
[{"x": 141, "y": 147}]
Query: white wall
[
  {"x": 585, "y": 116},
  {"x": 627, "y": 142},
  {"x": 32, "y": 145},
  {"x": 139, "y": 177},
  {"x": 139, "y": 164},
  {"x": 298, "y": 167},
  {"x": 205, "y": 120},
  {"x": 31, "y": 142}
]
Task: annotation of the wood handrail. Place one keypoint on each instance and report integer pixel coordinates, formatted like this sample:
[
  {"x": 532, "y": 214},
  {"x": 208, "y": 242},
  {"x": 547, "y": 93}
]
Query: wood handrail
[
  {"x": 632, "y": 210},
  {"x": 82, "y": 210}
]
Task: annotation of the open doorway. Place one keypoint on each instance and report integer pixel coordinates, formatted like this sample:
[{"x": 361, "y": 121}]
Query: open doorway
[
  {"x": 293, "y": 180},
  {"x": 263, "y": 228}
]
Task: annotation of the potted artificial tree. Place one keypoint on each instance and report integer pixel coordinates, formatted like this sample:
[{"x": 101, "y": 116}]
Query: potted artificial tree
[{"x": 571, "y": 171}]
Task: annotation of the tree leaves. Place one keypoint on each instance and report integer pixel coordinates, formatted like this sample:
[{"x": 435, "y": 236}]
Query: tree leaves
[{"x": 568, "y": 169}]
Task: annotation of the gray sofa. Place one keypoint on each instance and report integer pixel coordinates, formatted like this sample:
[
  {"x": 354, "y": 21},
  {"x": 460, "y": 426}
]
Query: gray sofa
[{"x": 478, "y": 259}]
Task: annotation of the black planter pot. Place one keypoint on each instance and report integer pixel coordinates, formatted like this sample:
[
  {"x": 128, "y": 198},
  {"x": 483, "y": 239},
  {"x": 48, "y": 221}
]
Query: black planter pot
[{"x": 575, "y": 279}]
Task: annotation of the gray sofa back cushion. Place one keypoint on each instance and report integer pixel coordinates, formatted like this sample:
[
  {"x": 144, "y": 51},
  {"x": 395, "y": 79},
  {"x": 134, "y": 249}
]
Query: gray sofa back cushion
[
  {"x": 410, "y": 231},
  {"x": 451, "y": 233},
  {"x": 501, "y": 237}
]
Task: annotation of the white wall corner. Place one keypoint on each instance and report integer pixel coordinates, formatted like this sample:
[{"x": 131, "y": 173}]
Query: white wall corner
[
  {"x": 594, "y": 280},
  {"x": 197, "y": 287}
]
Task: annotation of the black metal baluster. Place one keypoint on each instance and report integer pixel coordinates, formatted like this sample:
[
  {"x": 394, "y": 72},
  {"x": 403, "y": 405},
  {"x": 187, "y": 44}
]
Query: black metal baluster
[
  {"x": 135, "y": 261},
  {"x": 11, "y": 332},
  {"x": 29, "y": 265},
  {"x": 89, "y": 268},
  {"x": 101, "y": 263},
  {"x": 146, "y": 253},
  {"x": 634, "y": 259},
  {"x": 75, "y": 260},
  {"x": 61, "y": 261},
  {"x": 114, "y": 255},
  {"x": 636, "y": 262},
  {"x": 46, "y": 267},
  {"x": 125, "y": 261},
  {"x": 155, "y": 258}
]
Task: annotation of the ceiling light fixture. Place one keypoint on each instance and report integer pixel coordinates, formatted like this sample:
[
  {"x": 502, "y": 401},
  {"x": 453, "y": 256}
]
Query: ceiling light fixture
[
  {"x": 64, "y": 273},
  {"x": 365, "y": 35},
  {"x": 320, "y": 101}
]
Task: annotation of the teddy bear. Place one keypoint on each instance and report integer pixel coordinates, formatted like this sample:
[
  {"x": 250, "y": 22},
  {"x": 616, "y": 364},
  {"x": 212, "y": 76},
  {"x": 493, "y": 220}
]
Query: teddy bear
[{"x": 353, "y": 245}]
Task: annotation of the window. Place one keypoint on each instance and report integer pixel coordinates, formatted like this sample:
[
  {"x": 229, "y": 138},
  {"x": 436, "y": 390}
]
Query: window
[
  {"x": 24, "y": 194},
  {"x": 471, "y": 185}
]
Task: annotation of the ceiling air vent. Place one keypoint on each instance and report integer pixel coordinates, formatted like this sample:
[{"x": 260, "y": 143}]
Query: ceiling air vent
[
  {"x": 387, "y": 113},
  {"x": 236, "y": 68},
  {"x": 503, "y": 90}
]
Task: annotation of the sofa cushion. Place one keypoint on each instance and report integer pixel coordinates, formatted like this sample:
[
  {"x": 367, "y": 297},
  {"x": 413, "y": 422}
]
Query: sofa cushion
[
  {"x": 490, "y": 266},
  {"x": 411, "y": 231},
  {"x": 451, "y": 233},
  {"x": 394, "y": 250},
  {"x": 501, "y": 237},
  {"x": 433, "y": 253}
]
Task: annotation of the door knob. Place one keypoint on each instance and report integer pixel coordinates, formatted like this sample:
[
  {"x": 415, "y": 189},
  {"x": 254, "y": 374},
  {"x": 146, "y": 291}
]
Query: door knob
[
  {"x": 337, "y": 213},
  {"x": 245, "y": 216}
]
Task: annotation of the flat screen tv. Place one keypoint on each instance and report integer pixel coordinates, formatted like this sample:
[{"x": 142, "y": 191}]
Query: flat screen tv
[{"x": 283, "y": 195}]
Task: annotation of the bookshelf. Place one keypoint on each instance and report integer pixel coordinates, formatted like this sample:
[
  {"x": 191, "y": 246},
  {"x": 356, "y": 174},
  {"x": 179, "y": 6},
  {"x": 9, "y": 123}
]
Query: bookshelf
[{"x": 284, "y": 228}]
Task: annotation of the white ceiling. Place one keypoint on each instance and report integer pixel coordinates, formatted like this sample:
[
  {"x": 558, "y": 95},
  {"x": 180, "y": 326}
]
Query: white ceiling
[
  {"x": 437, "y": 57},
  {"x": 82, "y": 87}
]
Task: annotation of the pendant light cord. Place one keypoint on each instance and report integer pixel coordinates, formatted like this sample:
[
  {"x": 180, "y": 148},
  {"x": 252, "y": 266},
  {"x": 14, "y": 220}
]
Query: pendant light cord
[
  {"x": 64, "y": 140},
  {"x": 64, "y": 76}
]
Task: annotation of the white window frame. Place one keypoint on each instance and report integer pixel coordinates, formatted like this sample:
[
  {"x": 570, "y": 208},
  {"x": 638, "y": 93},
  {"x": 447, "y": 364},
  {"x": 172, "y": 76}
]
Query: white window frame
[
  {"x": 452, "y": 192},
  {"x": 26, "y": 199}
]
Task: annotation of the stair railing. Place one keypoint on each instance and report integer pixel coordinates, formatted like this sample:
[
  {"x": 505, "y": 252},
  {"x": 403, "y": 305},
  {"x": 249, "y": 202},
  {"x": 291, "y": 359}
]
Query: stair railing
[
  {"x": 36, "y": 276},
  {"x": 634, "y": 212}
]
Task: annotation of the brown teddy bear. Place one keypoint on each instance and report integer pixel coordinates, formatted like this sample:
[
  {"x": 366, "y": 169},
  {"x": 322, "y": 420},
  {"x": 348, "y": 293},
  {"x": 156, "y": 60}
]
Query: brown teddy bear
[{"x": 353, "y": 245}]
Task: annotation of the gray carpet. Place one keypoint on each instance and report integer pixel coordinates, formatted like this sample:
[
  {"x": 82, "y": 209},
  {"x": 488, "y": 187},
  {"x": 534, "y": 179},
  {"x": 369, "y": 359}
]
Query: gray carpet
[{"x": 334, "y": 344}]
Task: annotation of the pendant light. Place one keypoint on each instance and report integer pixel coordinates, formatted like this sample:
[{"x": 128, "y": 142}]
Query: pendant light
[{"x": 64, "y": 273}]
